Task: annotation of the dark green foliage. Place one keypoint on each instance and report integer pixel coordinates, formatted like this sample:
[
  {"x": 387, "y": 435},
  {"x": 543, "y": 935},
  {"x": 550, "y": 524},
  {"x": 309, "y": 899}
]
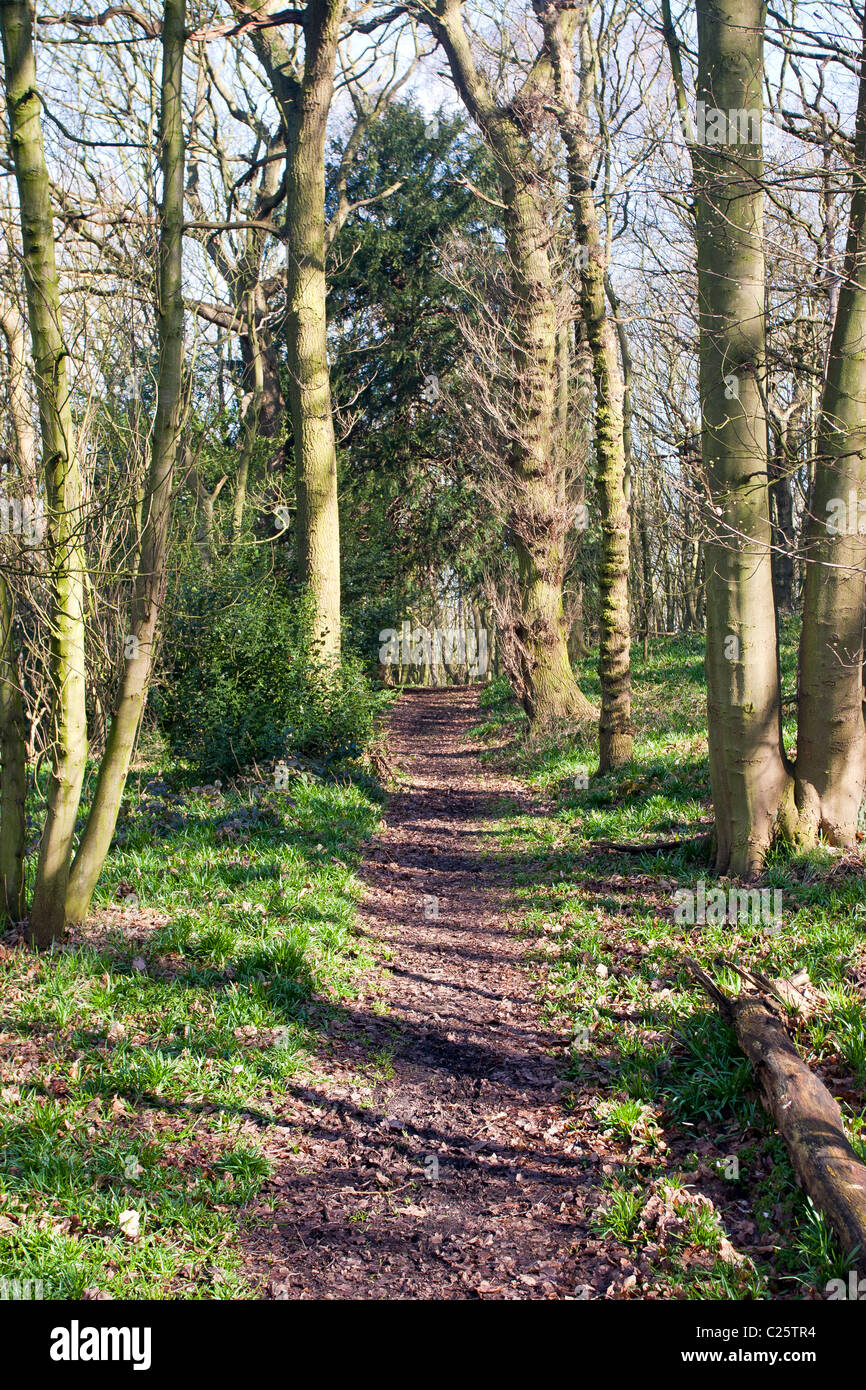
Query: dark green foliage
[
  {"x": 245, "y": 683},
  {"x": 411, "y": 503}
]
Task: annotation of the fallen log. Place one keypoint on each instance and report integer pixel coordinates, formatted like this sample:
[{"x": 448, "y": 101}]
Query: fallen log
[{"x": 806, "y": 1115}]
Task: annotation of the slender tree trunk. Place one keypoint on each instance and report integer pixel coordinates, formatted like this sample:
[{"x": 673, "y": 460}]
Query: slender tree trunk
[
  {"x": 831, "y": 745},
  {"x": 252, "y": 416},
  {"x": 13, "y": 769},
  {"x": 615, "y": 726},
  {"x": 304, "y": 101},
  {"x": 150, "y": 578},
  {"x": 751, "y": 782},
  {"x": 13, "y": 328},
  {"x": 318, "y": 523},
  {"x": 62, "y": 476},
  {"x": 13, "y": 724},
  {"x": 782, "y": 516}
]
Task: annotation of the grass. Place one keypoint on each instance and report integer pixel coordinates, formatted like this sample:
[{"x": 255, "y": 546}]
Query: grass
[
  {"x": 140, "y": 1063},
  {"x": 608, "y": 949}
]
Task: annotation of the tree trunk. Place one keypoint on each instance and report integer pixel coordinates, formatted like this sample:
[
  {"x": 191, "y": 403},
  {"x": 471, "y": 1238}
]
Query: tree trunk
[
  {"x": 13, "y": 769},
  {"x": 783, "y": 516},
  {"x": 150, "y": 577},
  {"x": 62, "y": 476},
  {"x": 304, "y": 102},
  {"x": 751, "y": 783},
  {"x": 13, "y": 724},
  {"x": 252, "y": 417},
  {"x": 831, "y": 745},
  {"x": 538, "y": 516},
  {"x": 615, "y": 733},
  {"x": 806, "y": 1114},
  {"x": 318, "y": 524},
  {"x": 13, "y": 327}
]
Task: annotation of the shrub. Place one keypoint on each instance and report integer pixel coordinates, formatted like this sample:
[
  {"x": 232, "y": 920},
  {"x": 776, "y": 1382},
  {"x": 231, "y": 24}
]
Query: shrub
[{"x": 245, "y": 682}]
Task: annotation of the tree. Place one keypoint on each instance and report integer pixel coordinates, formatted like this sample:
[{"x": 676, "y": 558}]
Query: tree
[
  {"x": 415, "y": 515},
  {"x": 759, "y": 794},
  {"x": 62, "y": 474},
  {"x": 303, "y": 95},
  {"x": 536, "y": 523},
  {"x": 572, "y": 109},
  {"x": 831, "y": 743},
  {"x": 165, "y": 441}
]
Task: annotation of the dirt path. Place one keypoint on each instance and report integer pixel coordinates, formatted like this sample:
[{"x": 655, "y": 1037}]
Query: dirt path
[{"x": 456, "y": 1176}]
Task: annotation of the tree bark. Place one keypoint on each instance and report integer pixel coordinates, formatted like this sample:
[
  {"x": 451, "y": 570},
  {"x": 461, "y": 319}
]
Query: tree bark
[
  {"x": 782, "y": 515},
  {"x": 831, "y": 745},
  {"x": 252, "y": 418},
  {"x": 751, "y": 783},
  {"x": 60, "y": 464},
  {"x": 13, "y": 725},
  {"x": 538, "y": 519},
  {"x": 806, "y": 1115},
  {"x": 151, "y": 573},
  {"x": 304, "y": 101},
  {"x": 616, "y": 738},
  {"x": 13, "y": 769}
]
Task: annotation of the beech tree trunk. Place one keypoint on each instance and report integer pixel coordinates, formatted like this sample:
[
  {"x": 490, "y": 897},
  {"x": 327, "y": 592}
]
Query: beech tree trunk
[
  {"x": 66, "y": 564},
  {"x": 150, "y": 577},
  {"x": 751, "y": 783},
  {"x": 831, "y": 744}
]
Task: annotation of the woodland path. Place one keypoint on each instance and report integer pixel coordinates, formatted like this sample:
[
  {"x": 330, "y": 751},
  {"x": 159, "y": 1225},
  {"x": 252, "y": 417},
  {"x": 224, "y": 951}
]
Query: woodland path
[{"x": 453, "y": 1173}]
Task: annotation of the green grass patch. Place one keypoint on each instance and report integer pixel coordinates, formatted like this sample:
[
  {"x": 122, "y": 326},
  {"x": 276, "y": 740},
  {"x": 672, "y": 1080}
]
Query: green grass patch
[
  {"x": 141, "y": 1062},
  {"x": 609, "y": 946}
]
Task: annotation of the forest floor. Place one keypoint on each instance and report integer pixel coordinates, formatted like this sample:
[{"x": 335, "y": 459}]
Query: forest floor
[
  {"x": 557, "y": 1114},
  {"x": 305, "y": 1050},
  {"x": 459, "y": 1174}
]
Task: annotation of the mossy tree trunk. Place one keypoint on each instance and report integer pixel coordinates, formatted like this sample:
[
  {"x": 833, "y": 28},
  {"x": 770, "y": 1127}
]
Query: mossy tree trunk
[
  {"x": 538, "y": 519},
  {"x": 165, "y": 444},
  {"x": 304, "y": 100},
  {"x": 615, "y": 726},
  {"x": 60, "y": 465}
]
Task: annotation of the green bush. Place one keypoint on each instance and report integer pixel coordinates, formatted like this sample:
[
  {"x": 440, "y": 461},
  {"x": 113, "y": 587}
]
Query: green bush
[{"x": 245, "y": 682}]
